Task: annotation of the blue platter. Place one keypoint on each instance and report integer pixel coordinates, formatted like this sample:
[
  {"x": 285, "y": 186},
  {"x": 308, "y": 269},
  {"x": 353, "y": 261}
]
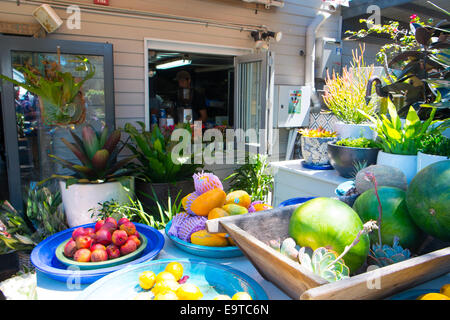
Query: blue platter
[
  {"x": 211, "y": 278},
  {"x": 44, "y": 259},
  {"x": 317, "y": 167},
  {"x": 204, "y": 251}
]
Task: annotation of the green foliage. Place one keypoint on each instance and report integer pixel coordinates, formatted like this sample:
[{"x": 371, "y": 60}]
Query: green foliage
[
  {"x": 153, "y": 150},
  {"x": 357, "y": 143},
  {"x": 253, "y": 177},
  {"x": 97, "y": 152},
  {"x": 346, "y": 93},
  {"x": 435, "y": 144},
  {"x": 44, "y": 209},
  {"x": 397, "y": 138},
  {"x": 59, "y": 91}
]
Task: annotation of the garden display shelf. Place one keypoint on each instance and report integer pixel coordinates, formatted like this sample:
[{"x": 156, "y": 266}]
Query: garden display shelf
[{"x": 252, "y": 232}]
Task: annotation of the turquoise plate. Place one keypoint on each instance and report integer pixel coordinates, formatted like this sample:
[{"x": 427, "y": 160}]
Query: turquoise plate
[
  {"x": 211, "y": 278},
  {"x": 204, "y": 251}
]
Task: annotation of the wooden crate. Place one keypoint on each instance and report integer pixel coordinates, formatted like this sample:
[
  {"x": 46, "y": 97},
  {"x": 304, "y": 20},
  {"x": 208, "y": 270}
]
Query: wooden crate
[{"x": 251, "y": 232}]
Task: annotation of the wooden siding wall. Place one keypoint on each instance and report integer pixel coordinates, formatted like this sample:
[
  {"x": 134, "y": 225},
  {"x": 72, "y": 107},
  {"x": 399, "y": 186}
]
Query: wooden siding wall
[{"x": 127, "y": 35}]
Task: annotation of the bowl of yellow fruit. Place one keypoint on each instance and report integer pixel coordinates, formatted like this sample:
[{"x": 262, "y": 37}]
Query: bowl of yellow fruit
[
  {"x": 438, "y": 294},
  {"x": 175, "y": 279}
]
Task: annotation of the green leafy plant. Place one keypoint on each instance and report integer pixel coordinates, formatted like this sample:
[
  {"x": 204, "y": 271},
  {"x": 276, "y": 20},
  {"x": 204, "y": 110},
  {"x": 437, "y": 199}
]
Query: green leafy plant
[
  {"x": 317, "y": 133},
  {"x": 253, "y": 176},
  {"x": 435, "y": 144},
  {"x": 153, "y": 150},
  {"x": 44, "y": 209},
  {"x": 357, "y": 143},
  {"x": 397, "y": 138},
  {"x": 98, "y": 153},
  {"x": 346, "y": 93},
  {"x": 59, "y": 91}
]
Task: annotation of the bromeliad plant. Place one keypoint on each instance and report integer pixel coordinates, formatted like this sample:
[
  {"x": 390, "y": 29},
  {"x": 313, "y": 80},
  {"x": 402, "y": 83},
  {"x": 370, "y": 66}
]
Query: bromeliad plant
[
  {"x": 97, "y": 152},
  {"x": 60, "y": 92},
  {"x": 153, "y": 150}
]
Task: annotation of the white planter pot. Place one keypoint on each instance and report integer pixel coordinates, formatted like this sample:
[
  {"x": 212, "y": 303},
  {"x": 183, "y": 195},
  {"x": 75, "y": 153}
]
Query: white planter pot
[
  {"x": 424, "y": 160},
  {"x": 345, "y": 130},
  {"x": 406, "y": 163},
  {"x": 78, "y": 199}
]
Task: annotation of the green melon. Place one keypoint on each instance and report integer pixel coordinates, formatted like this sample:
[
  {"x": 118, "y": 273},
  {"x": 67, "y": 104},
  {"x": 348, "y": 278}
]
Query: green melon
[
  {"x": 323, "y": 222},
  {"x": 395, "y": 219},
  {"x": 428, "y": 199}
]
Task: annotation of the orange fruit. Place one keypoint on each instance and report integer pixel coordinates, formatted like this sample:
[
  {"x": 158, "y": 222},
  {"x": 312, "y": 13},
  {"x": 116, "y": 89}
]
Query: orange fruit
[{"x": 217, "y": 213}]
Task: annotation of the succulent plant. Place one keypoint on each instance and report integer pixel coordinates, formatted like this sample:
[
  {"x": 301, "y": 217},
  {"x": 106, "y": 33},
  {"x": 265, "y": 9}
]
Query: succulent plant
[
  {"x": 98, "y": 153},
  {"x": 384, "y": 255},
  {"x": 325, "y": 263}
]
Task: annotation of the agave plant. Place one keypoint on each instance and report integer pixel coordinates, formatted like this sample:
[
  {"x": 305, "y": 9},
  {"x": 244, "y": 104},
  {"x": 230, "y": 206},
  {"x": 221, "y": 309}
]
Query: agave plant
[
  {"x": 384, "y": 255},
  {"x": 60, "y": 92},
  {"x": 98, "y": 153},
  {"x": 325, "y": 263}
]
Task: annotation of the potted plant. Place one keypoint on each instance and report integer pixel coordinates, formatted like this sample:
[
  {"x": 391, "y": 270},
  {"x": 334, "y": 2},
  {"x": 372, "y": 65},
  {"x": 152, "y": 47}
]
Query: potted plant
[
  {"x": 399, "y": 142},
  {"x": 314, "y": 145},
  {"x": 345, "y": 94},
  {"x": 100, "y": 177},
  {"x": 348, "y": 155},
  {"x": 157, "y": 169},
  {"x": 60, "y": 96},
  {"x": 433, "y": 148}
]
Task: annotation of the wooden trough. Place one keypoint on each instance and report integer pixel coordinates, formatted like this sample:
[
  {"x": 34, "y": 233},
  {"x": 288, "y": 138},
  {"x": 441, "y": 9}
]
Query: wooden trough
[{"x": 252, "y": 232}]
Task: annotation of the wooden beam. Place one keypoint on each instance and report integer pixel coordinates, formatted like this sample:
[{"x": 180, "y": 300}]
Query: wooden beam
[
  {"x": 22, "y": 29},
  {"x": 359, "y": 7}
]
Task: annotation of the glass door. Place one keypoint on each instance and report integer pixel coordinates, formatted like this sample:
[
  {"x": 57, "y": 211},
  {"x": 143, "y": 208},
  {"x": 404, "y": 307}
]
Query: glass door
[
  {"x": 28, "y": 140},
  {"x": 253, "y": 94}
]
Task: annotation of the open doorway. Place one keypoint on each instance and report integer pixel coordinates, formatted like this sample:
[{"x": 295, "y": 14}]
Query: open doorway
[{"x": 211, "y": 80}]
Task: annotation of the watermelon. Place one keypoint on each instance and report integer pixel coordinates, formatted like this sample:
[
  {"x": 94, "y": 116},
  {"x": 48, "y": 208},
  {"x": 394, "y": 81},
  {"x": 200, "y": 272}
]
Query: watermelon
[
  {"x": 428, "y": 199},
  {"x": 327, "y": 222},
  {"x": 395, "y": 219}
]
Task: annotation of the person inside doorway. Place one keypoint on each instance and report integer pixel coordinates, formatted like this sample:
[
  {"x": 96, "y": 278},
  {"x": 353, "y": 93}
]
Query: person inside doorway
[{"x": 191, "y": 98}]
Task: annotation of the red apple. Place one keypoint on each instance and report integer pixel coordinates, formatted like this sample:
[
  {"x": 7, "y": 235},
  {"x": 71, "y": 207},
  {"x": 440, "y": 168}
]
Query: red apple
[
  {"x": 122, "y": 221},
  {"x": 83, "y": 242},
  {"x": 89, "y": 232},
  {"x": 129, "y": 228},
  {"x": 103, "y": 236},
  {"x": 98, "y": 225},
  {"x": 128, "y": 247},
  {"x": 82, "y": 255},
  {"x": 113, "y": 251},
  {"x": 135, "y": 239},
  {"x": 78, "y": 232},
  {"x": 70, "y": 248},
  {"x": 99, "y": 255},
  {"x": 97, "y": 246},
  {"x": 119, "y": 237},
  {"x": 110, "y": 225}
]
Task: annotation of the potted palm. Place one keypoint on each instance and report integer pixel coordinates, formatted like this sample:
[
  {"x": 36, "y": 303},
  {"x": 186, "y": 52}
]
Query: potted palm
[
  {"x": 159, "y": 172},
  {"x": 345, "y": 94},
  {"x": 399, "y": 142},
  {"x": 314, "y": 145},
  {"x": 349, "y": 155},
  {"x": 100, "y": 177},
  {"x": 433, "y": 148}
]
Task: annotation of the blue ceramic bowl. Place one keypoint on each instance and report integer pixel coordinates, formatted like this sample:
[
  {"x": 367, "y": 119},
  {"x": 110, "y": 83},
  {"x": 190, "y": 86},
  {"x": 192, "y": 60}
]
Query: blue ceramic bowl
[
  {"x": 204, "y": 251},
  {"x": 44, "y": 259},
  {"x": 211, "y": 278},
  {"x": 292, "y": 201}
]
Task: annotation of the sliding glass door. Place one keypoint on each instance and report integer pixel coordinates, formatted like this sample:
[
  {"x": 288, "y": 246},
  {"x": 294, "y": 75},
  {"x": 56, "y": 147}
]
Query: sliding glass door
[{"x": 27, "y": 140}]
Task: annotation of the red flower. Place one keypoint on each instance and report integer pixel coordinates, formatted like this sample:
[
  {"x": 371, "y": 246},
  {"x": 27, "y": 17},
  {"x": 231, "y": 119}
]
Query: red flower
[{"x": 414, "y": 17}]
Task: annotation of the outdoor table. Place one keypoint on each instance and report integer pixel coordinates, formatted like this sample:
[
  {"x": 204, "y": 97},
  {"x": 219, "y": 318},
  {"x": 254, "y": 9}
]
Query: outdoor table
[{"x": 50, "y": 289}]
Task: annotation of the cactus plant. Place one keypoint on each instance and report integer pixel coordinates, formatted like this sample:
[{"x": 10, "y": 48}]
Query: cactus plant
[{"x": 97, "y": 152}]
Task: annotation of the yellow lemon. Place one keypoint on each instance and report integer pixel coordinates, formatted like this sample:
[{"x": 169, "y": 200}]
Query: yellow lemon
[
  {"x": 189, "y": 291},
  {"x": 241, "y": 296},
  {"x": 433, "y": 296},
  {"x": 165, "y": 285},
  {"x": 166, "y": 295},
  {"x": 445, "y": 289},
  {"x": 164, "y": 275},
  {"x": 176, "y": 269},
  {"x": 147, "y": 279},
  {"x": 222, "y": 297}
]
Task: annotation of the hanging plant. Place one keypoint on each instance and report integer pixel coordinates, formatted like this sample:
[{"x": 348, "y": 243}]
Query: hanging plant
[{"x": 60, "y": 96}]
